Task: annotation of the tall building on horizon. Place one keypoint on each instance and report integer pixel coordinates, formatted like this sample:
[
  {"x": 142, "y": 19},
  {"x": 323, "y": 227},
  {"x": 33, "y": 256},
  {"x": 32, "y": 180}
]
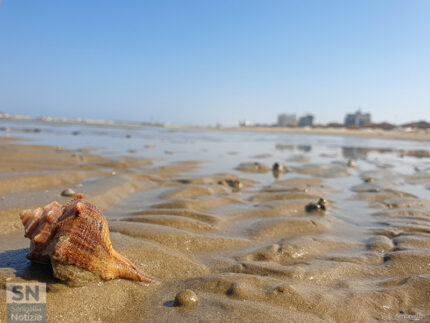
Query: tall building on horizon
[
  {"x": 306, "y": 121},
  {"x": 357, "y": 119},
  {"x": 287, "y": 120}
]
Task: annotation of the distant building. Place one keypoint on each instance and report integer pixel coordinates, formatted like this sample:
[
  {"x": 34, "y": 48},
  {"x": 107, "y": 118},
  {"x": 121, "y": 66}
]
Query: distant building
[
  {"x": 382, "y": 125},
  {"x": 357, "y": 119},
  {"x": 245, "y": 123},
  {"x": 14, "y": 116},
  {"x": 417, "y": 125},
  {"x": 287, "y": 120},
  {"x": 306, "y": 121}
]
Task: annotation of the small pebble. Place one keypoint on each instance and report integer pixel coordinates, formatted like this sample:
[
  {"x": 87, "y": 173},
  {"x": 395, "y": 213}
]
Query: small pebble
[
  {"x": 278, "y": 167},
  {"x": 240, "y": 290},
  {"x": 321, "y": 205},
  {"x": 351, "y": 163},
  {"x": 68, "y": 192},
  {"x": 234, "y": 183},
  {"x": 186, "y": 298}
]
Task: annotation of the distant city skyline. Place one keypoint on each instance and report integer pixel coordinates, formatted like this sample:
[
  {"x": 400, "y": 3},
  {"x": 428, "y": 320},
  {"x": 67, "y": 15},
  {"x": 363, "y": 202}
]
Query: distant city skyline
[{"x": 202, "y": 63}]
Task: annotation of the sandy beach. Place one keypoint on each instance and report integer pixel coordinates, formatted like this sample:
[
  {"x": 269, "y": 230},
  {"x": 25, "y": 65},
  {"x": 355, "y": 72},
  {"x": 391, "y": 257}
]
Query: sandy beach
[{"x": 240, "y": 238}]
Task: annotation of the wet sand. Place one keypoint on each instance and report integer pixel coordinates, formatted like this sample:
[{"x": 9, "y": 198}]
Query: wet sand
[{"x": 242, "y": 240}]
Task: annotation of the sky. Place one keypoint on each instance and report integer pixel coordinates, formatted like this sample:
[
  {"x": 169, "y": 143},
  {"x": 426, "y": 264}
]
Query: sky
[{"x": 206, "y": 62}]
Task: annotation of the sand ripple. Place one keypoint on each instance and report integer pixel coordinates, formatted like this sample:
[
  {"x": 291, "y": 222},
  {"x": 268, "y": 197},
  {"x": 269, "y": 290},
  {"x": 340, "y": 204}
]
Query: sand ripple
[{"x": 250, "y": 252}]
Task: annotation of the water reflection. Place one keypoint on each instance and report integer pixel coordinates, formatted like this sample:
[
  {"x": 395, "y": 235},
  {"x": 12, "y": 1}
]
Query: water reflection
[
  {"x": 304, "y": 148},
  {"x": 361, "y": 153},
  {"x": 355, "y": 152},
  {"x": 283, "y": 147}
]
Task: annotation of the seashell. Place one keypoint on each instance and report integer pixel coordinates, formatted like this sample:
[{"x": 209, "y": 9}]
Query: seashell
[{"x": 76, "y": 234}]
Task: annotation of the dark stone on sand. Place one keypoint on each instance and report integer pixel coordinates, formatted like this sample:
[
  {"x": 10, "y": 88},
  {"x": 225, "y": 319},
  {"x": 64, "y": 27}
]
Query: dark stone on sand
[
  {"x": 278, "y": 167},
  {"x": 68, "y": 192},
  {"x": 234, "y": 183},
  {"x": 321, "y": 205},
  {"x": 186, "y": 298}
]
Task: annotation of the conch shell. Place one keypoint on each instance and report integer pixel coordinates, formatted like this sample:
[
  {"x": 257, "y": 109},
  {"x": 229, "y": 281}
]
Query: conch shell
[{"x": 76, "y": 234}]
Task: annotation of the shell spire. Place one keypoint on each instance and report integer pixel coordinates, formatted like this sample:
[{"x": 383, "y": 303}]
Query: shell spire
[
  {"x": 76, "y": 234},
  {"x": 125, "y": 269}
]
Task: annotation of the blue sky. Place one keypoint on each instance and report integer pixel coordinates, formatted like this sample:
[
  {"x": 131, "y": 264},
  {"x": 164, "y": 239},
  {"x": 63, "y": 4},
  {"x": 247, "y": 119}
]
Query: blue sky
[{"x": 203, "y": 62}]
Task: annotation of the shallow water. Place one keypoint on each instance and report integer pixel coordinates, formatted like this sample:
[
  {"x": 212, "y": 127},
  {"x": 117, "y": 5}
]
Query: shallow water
[{"x": 221, "y": 150}]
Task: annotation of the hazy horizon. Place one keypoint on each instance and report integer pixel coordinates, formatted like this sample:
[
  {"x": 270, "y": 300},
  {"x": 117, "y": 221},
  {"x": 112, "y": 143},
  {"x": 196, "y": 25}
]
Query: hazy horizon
[{"x": 202, "y": 63}]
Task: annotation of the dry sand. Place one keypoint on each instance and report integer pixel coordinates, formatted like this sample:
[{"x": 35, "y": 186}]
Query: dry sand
[{"x": 251, "y": 253}]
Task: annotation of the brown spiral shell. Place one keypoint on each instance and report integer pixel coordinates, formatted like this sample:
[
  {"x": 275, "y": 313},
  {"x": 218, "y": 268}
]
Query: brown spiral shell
[{"x": 76, "y": 234}]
